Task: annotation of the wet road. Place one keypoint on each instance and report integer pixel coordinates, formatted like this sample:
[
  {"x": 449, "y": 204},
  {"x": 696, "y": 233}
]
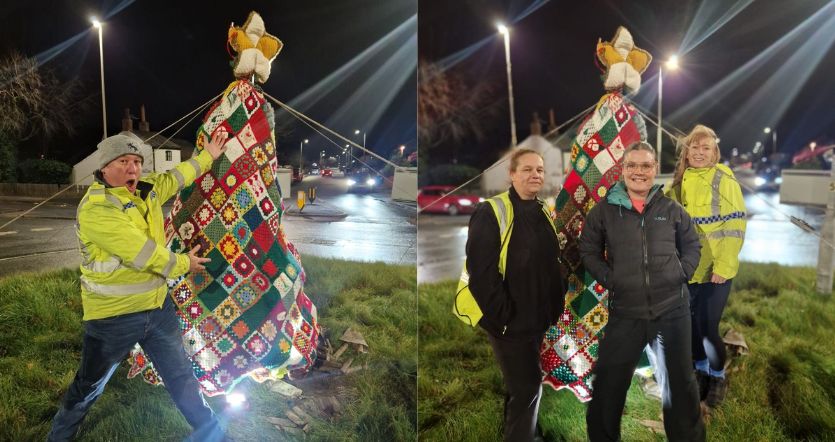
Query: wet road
[
  {"x": 370, "y": 227},
  {"x": 770, "y": 237},
  {"x": 375, "y": 228}
]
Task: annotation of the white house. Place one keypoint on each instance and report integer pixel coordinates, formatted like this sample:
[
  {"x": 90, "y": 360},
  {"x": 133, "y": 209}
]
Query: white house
[
  {"x": 164, "y": 155},
  {"x": 496, "y": 179}
]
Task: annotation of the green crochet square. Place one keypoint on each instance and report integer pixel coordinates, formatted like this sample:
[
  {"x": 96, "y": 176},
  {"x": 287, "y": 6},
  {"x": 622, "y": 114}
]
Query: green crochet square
[
  {"x": 237, "y": 120},
  {"x": 608, "y": 132},
  {"x": 215, "y": 230}
]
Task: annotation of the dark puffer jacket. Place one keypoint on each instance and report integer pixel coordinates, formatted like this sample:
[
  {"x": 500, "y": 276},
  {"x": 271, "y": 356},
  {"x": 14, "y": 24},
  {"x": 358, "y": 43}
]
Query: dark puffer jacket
[{"x": 649, "y": 256}]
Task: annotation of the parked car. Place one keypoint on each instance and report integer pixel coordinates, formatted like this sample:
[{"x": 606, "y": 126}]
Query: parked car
[
  {"x": 298, "y": 175},
  {"x": 327, "y": 172},
  {"x": 452, "y": 204},
  {"x": 363, "y": 180}
]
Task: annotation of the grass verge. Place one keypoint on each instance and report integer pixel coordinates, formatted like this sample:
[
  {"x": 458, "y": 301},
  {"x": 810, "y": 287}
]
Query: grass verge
[
  {"x": 40, "y": 347},
  {"x": 783, "y": 390}
]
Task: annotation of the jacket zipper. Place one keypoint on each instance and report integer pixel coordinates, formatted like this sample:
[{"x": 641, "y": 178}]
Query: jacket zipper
[{"x": 646, "y": 262}]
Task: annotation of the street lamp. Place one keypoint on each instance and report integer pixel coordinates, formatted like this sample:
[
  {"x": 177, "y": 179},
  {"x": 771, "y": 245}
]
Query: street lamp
[
  {"x": 812, "y": 146},
  {"x": 773, "y": 133},
  {"x": 98, "y": 25},
  {"x": 672, "y": 65},
  {"x": 301, "y": 153},
  {"x": 351, "y": 149},
  {"x": 506, "y": 33},
  {"x": 402, "y": 148}
]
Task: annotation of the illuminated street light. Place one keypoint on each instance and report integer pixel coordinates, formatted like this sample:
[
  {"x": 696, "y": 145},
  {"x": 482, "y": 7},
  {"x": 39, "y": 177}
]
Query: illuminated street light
[
  {"x": 506, "y": 33},
  {"x": 813, "y": 145},
  {"x": 402, "y": 148},
  {"x": 98, "y": 25},
  {"x": 351, "y": 149},
  {"x": 671, "y": 65},
  {"x": 301, "y": 153}
]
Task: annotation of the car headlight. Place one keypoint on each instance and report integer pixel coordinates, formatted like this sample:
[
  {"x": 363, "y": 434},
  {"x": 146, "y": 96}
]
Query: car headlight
[
  {"x": 351, "y": 182},
  {"x": 778, "y": 180},
  {"x": 481, "y": 200},
  {"x": 465, "y": 202},
  {"x": 371, "y": 182},
  {"x": 759, "y": 181}
]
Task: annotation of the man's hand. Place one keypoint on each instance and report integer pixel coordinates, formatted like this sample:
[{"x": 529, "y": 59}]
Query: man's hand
[
  {"x": 716, "y": 279},
  {"x": 196, "y": 262},
  {"x": 218, "y": 144}
]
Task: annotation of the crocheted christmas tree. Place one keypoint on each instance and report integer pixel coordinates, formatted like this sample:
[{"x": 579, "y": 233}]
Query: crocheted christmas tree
[
  {"x": 247, "y": 313},
  {"x": 569, "y": 349}
]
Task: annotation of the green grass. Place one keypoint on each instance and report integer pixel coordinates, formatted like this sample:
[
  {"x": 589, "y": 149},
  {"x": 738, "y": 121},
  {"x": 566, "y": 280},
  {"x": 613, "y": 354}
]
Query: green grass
[
  {"x": 40, "y": 345},
  {"x": 784, "y": 389}
]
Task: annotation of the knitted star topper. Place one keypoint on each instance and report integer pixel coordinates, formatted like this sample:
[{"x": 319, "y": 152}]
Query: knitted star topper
[
  {"x": 256, "y": 48},
  {"x": 624, "y": 62}
]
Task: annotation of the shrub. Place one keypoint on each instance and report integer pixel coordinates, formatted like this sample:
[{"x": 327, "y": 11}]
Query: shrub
[{"x": 43, "y": 171}]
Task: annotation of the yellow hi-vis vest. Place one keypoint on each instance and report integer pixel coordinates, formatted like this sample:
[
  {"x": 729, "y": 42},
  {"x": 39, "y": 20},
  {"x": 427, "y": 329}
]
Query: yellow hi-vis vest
[
  {"x": 713, "y": 199},
  {"x": 465, "y": 306},
  {"x": 125, "y": 261}
]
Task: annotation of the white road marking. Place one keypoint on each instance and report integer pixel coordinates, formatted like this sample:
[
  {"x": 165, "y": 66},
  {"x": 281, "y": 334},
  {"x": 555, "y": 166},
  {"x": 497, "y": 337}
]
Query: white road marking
[
  {"x": 8, "y": 232},
  {"x": 40, "y": 229}
]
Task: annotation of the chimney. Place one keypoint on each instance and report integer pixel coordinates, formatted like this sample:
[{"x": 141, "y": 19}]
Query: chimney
[
  {"x": 536, "y": 126},
  {"x": 552, "y": 120},
  {"x": 143, "y": 123},
  {"x": 127, "y": 123}
]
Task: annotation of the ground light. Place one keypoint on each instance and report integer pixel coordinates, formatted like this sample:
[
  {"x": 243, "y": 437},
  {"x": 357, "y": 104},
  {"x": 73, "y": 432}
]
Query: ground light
[{"x": 236, "y": 400}]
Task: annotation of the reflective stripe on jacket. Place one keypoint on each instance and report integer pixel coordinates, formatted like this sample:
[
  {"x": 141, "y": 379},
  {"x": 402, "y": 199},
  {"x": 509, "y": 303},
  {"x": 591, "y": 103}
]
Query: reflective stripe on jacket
[
  {"x": 465, "y": 306},
  {"x": 713, "y": 199},
  {"x": 125, "y": 261}
]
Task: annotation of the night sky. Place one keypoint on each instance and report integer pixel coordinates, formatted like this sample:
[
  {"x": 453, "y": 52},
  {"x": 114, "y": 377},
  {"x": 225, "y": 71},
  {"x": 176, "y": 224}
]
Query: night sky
[
  {"x": 552, "y": 51},
  {"x": 171, "y": 56}
]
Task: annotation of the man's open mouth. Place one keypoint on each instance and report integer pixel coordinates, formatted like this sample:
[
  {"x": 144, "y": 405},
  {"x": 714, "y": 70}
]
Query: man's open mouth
[{"x": 131, "y": 183}]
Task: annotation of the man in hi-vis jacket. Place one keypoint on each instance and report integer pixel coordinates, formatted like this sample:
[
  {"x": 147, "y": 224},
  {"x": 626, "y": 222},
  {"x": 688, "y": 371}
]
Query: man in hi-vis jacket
[{"x": 125, "y": 264}]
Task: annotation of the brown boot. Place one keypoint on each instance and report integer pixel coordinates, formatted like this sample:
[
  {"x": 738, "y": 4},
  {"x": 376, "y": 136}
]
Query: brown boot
[{"x": 716, "y": 391}]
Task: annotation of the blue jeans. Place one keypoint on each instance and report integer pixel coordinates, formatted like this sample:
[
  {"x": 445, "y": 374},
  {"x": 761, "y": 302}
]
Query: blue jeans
[{"x": 107, "y": 343}]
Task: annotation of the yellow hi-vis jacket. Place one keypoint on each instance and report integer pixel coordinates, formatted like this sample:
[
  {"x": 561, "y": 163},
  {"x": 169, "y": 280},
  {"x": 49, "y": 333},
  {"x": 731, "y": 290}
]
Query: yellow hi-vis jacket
[
  {"x": 125, "y": 260},
  {"x": 465, "y": 306},
  {"x": 713, "y": 199}
]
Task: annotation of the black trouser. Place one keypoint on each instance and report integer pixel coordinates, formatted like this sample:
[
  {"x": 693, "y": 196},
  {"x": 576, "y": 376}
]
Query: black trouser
[
  {"x": 707, "y": 302},
  {"x": 618, "y": 356},
  {"x": 518, "y": 359}
]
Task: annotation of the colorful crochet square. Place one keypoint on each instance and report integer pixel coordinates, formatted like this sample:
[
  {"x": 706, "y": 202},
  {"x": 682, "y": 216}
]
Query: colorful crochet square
[
  {"x": 569, "y": 349},
  {"x": 247, "y": 313}
]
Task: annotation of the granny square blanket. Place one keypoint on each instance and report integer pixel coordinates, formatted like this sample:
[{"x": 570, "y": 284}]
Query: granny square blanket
[
  {"x": 247, "y": 313},
  {"x": 569, "y": 349}
]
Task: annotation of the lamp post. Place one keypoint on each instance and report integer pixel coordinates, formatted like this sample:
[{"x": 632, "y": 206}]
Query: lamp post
[
  {"x": 301, "y": 153},
  {"x": 98, "y": 25},
  {"x": 506, "y": 33},
  {"x": 351, "y": 148},
  {"x": 773, "y": 133},
  {"x": 671, "y": 64},
  {"x": 402, "y": 148}
]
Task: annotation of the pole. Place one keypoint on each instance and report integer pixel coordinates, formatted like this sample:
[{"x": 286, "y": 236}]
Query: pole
[
  {"x": 774, "y": 139},
  {"x": 301, "y": 150},
  {"x": 825, "y": 252},
  {"x": 658, "y": 132},
  {"x": 101, "y": 58},
  {"x": 510, "y": 88}
]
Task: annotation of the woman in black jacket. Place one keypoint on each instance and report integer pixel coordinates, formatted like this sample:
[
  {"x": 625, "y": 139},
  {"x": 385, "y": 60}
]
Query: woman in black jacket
[
  {"x": 643, "y": 248},
  {"x": 521, "y": 295}
]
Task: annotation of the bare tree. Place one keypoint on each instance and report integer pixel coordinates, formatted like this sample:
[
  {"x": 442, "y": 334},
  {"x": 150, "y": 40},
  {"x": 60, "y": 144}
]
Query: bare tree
[
  {"x": 451, "y": 107},
  {"x": 32, "y": 100}
]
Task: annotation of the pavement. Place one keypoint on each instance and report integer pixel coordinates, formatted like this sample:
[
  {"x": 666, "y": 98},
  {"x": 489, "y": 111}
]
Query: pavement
[{"x": 313, "y": 210}]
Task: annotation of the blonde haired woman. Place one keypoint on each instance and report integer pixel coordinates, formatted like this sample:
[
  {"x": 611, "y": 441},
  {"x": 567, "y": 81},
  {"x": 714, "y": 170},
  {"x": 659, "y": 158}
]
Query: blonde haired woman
[{"x": 711, "y": 195}]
